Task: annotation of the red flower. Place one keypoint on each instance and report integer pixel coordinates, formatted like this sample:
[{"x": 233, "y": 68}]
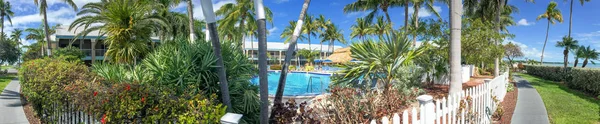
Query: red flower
[
  {"x": 127, "y": 87},
  {"x": 95, "y": 93},
  {"x": 103, "y": 119},
  {"x": 143, "y": 99}
]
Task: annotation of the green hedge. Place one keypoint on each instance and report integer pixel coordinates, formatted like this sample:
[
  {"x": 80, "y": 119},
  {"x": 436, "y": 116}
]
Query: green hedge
[{"x": 587, "y": 80}]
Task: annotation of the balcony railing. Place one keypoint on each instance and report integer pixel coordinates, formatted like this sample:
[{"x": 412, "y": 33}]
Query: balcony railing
[{"x": 88, "y": 52}]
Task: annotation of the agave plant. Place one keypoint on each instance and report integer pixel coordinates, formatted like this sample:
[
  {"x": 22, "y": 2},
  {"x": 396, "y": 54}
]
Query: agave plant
[{"x": 382, "y": 61}]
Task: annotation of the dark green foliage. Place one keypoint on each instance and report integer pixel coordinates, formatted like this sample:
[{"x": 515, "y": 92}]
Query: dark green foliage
[
  {"x": 9, "y": 51},
  {"x": 55, "y": 81},
  {"x": 587, "y": 80},
  {"x": 69, "y": 53},
  {"x": 190, "y": 68}
]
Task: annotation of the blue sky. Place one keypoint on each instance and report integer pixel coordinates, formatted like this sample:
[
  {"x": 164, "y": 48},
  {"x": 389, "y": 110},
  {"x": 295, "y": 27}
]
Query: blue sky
[{"x": 529, "y": 33}]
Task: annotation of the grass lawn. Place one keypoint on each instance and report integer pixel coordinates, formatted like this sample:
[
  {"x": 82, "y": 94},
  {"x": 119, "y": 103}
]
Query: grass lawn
[
  {"x": 4, "y": 80},
  {"x": 564, "y": 105},
  {"x": 5, "y": 67}
]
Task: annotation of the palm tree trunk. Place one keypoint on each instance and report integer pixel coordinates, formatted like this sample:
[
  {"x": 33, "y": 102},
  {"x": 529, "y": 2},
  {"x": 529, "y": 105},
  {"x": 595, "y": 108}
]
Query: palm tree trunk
[
  {"x": 584, "y": 63},
  {"x": 321, "y": 52},
  {"x": 2, "y": 21},
  {"x": 46, "y": 30},
  {"x": 576, "y": 61},
  {"x": 288, "y": 57},
  {"x": 545, "y": 41},
  {"x": 190, "y": 10},
  {"x": 566, "y": 59},
  {"x": 252, "y": 48},
  {"x": 262, "y": 62},
  {"x": 212, "y": 26},
  {"x": 405, "y": 15},
  {"x": 416, "y": 14},
  {"x": 571, "y": 18},
  {"x": 309, "y": 40},
  {"x": 497, "y": 59},
  {"x": 455, "y": 26}
]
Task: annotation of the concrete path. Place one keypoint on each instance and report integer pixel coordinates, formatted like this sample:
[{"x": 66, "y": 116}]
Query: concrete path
[
  {"x": 11, "y": 108},
  {"x": 530, "y": 108}
]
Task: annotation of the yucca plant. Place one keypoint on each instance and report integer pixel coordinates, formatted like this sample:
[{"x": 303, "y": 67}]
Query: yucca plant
[{"x": 381, "y": 61}]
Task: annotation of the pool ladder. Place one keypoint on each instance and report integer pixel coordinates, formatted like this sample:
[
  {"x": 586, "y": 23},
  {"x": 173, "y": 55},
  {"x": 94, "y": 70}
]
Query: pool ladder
[{"x": 310, "y": 87}]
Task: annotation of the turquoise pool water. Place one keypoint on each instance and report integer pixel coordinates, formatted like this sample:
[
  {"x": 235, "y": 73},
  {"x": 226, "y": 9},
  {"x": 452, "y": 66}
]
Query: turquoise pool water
[{"x": 297, "y": 83}]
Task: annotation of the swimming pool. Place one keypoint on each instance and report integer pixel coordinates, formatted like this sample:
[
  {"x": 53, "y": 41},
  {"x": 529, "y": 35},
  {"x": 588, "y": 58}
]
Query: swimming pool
[{"x": 297, "y": 83}]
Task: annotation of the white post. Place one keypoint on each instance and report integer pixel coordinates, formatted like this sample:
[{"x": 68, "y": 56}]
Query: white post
[
  {"x": 428, "y": 113},
  {"x": 231, "y": 118}
]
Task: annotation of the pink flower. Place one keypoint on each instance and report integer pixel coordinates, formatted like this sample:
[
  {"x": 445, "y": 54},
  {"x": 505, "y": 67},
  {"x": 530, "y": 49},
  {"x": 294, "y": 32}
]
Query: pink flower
[{"x": 103, "y": 119}]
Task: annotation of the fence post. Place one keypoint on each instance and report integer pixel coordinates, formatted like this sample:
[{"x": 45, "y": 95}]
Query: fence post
[
  {"x": 231, "y": 118},
  {"x": 426, "y": 101}
]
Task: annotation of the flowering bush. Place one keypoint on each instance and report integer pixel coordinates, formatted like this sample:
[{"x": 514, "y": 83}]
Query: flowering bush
[{"x": 50, "y": 81}]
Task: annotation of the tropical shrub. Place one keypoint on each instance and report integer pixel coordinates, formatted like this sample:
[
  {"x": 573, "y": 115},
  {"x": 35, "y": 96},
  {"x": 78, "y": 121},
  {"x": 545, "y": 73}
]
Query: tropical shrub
[
  {"x": 554, "y": 73},
  {"x": 190, "y": 69},
  {"x": 309, "y": 68},
  {"x": 292, "y": 67},
  {"x": 586, "y": 80},
  {"x": 69, "y": 53},
  {"x": 54, "y": 82},
  {"x": 275, "y": 67}
]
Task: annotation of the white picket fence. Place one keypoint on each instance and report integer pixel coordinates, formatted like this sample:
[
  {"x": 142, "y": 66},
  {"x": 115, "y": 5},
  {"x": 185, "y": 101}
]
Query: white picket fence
[
  {"x": 472, "y": 106},
  {"x": 466, "y": 72}
]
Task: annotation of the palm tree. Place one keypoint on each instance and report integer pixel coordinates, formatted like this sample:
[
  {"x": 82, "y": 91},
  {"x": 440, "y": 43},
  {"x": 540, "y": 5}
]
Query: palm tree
[
  {"x": 288, "y": 33},
  {"x": 361, "y": 29},
  {"x": 568, "y": 43},
  {"x": 578, "y": 54},
  {"x": 455, "y": 34},
  {"x": 262, "y": 61},
  {"x": 5, "y": 12},
  {"x": 129, "y": 26},
  {"x": 322, "y": 24},
  {"x": 42, "y": 4},
  {"x": 207, "y": 10},
  {"x": 39, "y": 35},
  {"x": 190, "y": 10},
  {"x": 309, "y": 55},
  {"x": 374, "y": 6},
  {"x": 552, "y": 14},
  {"x": 589, "y": 54},
  {"x": 240, "y": 13},
  {"x": 381, "y": 27},
  {"x": 571, "y": 14},
  {"x": 416, "y": 6},
  {"x": 16, "y": 35},
  {"x": 332, "y": 34},
  {"x": 311, "y": 28},
  {"x": 288, "y": 56}
]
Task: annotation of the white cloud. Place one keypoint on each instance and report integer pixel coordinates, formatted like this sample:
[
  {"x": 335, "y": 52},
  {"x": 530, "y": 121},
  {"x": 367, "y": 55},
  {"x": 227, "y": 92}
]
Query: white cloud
[
  {"x": 597, "y": 24},
  {"x": 280, "y": 1},
  {"x": 529, "y": 53},
  {"x": 524, "y": 22},
  {"x": 63, "y": 16},
  {"x": 356, "y": 14},
  {"x": 273, "y": 29},
  {"x": 423, "y": 12},
  {"x": 216, "y": 5}
]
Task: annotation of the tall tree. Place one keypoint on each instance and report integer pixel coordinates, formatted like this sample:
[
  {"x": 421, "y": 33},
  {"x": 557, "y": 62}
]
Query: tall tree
[
  {"x": 455, "y": 27},
  {"x": 332, "y": 34},
  {"x": 207, "y": 10},
  {"x": 589, "y": 54},
  {"x": 311, "y": 28},
  {"x": 374, "y": 6},
  {"x": 5, "y": 12},
  {"x": 571, "y": 14},
  {"x": 416, "y": 6},
  {"x": 361, "y": 29},
  {"x": 288, "y": 33},
  {"x": 262, "y": 61},
  {"x": 288, "y": 56},
  {"x": 16, "y": 35},
  {"x": 381, "y": 28},
  {"x": 190, "y": 12},
  {"x": 512, "y": 51},
  {"x": 578, "y": 54},
  {"x": 126, "y": 43},
  {"x": 568, "y": 43},
  {"x": 552, "y": 14},
  {"x": 240, "y": 14},
  {"x": 322, "y": 24},
  {"x": 43, "y": 6}
]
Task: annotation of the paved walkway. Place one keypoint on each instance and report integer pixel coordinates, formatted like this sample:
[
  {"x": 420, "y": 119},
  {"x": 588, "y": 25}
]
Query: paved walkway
[
  {"x": 530, "y": 108},
  {"x": 11, "y": 109}
]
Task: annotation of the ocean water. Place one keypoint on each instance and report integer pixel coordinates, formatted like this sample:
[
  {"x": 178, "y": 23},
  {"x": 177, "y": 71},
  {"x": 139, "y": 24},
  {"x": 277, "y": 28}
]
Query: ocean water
[{"x": 589, "y": 65}]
